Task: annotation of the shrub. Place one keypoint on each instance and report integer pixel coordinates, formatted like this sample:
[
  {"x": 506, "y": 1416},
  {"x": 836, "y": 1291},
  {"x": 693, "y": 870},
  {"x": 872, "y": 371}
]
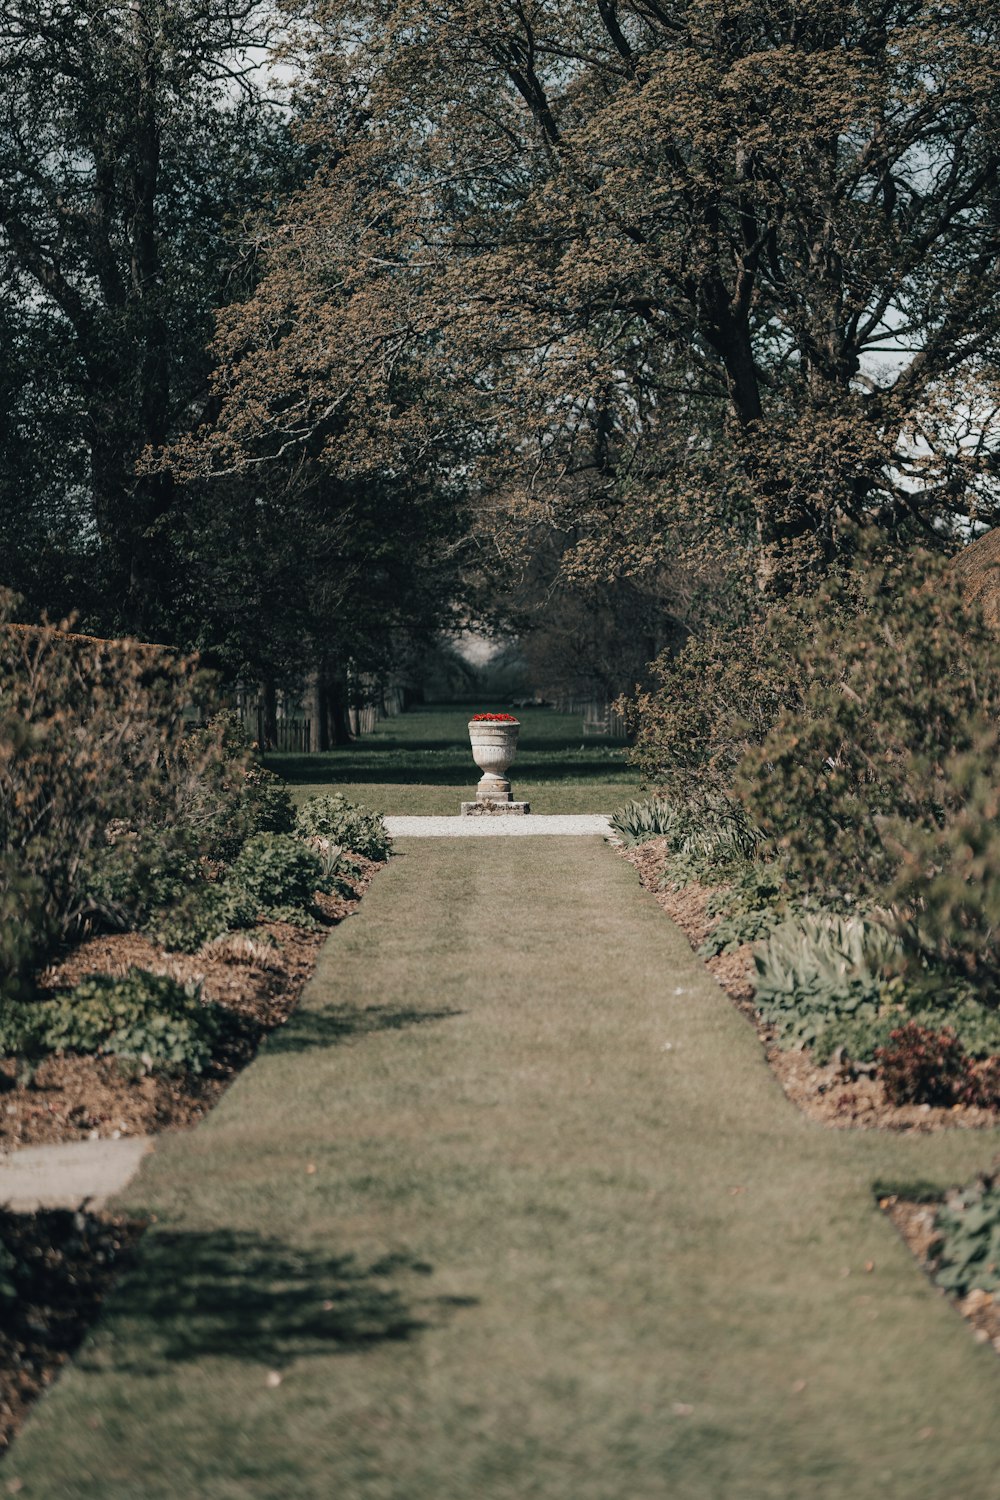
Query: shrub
[
  {"x": 149, "y": 1019},
  {"x": 205, "y": 912},
  {"x": 968, "y": 1252},
  {"x": 89, "y": 734},
  {"x": 819, "y": 972},
  {"x": 882, "y": 782},
  {"x": 348, "y": 824},
  {"x": 924, "y": 1066},
  {"x": 275, "y": 870},
  {"x": 719, "y": 695}
]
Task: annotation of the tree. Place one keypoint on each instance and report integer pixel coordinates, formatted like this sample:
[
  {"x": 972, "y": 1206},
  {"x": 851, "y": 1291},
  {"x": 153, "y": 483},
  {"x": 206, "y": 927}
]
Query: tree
[
  {"x": 648, "y": 251},
  {"x": 134, "y": 136}
]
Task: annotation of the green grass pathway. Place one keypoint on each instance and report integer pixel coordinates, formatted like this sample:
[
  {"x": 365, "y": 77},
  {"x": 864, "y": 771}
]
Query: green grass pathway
[{"x": 513, "y": 1208}]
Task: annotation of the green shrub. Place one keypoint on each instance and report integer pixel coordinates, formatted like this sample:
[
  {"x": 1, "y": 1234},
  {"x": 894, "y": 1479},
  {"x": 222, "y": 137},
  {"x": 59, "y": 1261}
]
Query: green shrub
[
  {"x": 203, "y": 913},
  {"x": 739, "y": 928},
  {"x": 149, "y": 1019},
  {"x": 751, "y": 907},
  {"x": 714, "y": 699},
  {"x": 139, "y": 873},
  {"x": 251, "y": 800},
  {"x": 968, "y": 1253},
  {"x": 275, "y": 870},
  {"x": 882, "y": 783},
  {"x": 817, "y": 972},
  {"x": 88, "y": 730},
  {"x": 348, "y": 824}
]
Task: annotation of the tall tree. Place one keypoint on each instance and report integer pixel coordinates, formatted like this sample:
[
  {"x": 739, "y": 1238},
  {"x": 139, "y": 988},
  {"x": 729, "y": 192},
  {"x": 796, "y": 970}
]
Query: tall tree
[
  {"x": 648, "y": 251},
  {"x": 134, "y": 136}
]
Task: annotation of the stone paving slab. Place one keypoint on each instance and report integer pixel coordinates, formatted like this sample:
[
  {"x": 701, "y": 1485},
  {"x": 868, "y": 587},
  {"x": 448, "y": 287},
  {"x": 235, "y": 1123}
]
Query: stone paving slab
[
  {"x": 496, "y": 827},
  {"x": 70, "y": 1174}
]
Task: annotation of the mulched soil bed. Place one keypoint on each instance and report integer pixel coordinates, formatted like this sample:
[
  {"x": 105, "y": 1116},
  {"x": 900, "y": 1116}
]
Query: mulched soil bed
[
  {"x": 63, "y": 1266},
  {"x": 259, "y": 979},
  {"x": 915, "y": 1223},
  {"x": 822, "y": 1092},
  {"x": 65, "y": 1261}
]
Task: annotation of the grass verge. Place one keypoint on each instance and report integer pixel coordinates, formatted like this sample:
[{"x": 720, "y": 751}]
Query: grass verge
[{"x": 513, "y": 1208}]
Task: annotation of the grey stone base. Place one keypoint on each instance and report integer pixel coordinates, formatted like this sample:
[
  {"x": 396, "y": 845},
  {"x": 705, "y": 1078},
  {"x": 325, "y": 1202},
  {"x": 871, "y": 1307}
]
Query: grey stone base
[{"x": 494, "y": 809}]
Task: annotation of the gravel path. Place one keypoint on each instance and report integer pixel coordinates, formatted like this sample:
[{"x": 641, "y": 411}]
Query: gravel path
[{"x": 502, "y": 826}]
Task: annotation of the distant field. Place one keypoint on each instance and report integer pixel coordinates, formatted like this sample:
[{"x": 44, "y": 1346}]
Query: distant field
[{"x": 420, "y": 762}]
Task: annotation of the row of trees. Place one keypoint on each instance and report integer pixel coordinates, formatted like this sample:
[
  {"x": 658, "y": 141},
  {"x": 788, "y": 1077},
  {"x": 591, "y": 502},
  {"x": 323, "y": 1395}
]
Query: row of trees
[{"x": 643, "y": 303}]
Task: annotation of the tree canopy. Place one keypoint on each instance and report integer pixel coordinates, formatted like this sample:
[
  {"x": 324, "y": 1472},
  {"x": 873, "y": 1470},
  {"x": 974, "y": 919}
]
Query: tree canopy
[{"x": 636, "y": 259}]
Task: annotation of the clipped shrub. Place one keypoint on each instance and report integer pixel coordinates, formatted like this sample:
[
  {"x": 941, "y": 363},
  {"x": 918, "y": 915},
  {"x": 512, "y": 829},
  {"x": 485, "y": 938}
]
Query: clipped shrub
[
  {"x": 348, "y": 824},
  {"x": 275, "y": 870},
  {"x": 968, "y": 1252},
  {"x": 818, "y": 972},
  {"x": 149, "y": 1019}
]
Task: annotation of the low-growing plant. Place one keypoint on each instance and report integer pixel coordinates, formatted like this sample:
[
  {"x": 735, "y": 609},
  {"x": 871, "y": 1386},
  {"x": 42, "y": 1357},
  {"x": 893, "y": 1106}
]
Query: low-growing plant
[
  {"x": 206, "y": 911},
  {"x": 150, "y": 1020},
  {"x": 638, "y": 822},
  {"x": 348, "y": 824},
  {"x": 275, "y": 870},
  {"x": 923, "y": 1066},
  {"x": 820, "y": 970},
  {"x": 968, "y": 1251},
  {"x": 741, "y": 927}
]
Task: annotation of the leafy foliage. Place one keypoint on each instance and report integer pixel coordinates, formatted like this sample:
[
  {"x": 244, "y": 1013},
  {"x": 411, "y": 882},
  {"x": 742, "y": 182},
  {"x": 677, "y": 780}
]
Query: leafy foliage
[
  {"x": 148, "y": 1019},
  {"x": 922, "y": 1066},
  {"x": 206, "y": 911},
  {"x": 882, "y": 784},
  {"x": 637, "y": 822},
  {"x": 347, "y": 824},
  {"x": 275, "y": 870},
  {"x": 89, "y": 732},
  {"x": 968, "y": 1253},
  {"x": 818, "y": 970}
]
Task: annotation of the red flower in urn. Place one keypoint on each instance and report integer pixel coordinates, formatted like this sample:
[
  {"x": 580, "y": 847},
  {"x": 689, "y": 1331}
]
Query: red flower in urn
[{"x": 493, "y": 719}]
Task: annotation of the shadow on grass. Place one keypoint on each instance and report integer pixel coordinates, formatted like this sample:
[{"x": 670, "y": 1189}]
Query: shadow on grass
[
  {"x": 336, "y": 1023},
  {"x": 243, "y": 1296}
]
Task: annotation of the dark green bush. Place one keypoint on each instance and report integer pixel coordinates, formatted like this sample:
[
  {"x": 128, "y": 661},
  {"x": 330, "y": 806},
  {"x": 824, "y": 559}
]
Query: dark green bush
[
  {"x": 275, "y": 870},
  {"x": 148, "y": 1019},
  {"x": 91, "y": 734},
  {"x": 347, "y": 824},
  {"x": 205, "y": 911},
  {"x": 883, "y": 783},
  {"x": 715, "y": 698}
]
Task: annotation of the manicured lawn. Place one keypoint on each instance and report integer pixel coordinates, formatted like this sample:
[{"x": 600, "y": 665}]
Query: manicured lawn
[
  {"x": 514, "y": 1210},
  {"x": 420, "y": 762}
]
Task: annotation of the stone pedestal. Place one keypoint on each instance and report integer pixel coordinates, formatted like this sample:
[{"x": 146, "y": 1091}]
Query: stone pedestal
[{"x": 491, "y": 808}]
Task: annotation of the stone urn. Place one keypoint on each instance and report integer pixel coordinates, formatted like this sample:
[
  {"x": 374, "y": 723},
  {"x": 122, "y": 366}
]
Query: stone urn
[{"x": 494, "y": 746}]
